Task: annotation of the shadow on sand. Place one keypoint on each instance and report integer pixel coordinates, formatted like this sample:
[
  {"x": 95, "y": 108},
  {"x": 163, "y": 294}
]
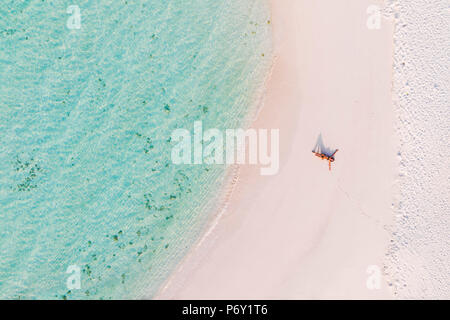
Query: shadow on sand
[{"x": 320, "y": 147}]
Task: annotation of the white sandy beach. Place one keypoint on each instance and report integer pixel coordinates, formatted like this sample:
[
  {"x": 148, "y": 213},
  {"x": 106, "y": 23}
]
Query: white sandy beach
[{"x": 308, "y": 232}]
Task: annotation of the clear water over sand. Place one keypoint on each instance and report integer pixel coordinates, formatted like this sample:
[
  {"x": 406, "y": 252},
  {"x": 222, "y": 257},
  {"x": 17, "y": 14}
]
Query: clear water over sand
[{"x": 86, "y": 116}]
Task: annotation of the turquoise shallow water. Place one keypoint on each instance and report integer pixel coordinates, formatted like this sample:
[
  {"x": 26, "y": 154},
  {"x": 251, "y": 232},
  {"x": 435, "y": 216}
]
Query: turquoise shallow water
[{"x": 85, "y": 122}]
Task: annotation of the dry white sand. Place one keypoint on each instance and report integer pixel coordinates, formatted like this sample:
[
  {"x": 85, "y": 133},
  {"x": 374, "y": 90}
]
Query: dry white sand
[
  {"x": 308, "y": 232},
  {"x": 419, "y": 257}
]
